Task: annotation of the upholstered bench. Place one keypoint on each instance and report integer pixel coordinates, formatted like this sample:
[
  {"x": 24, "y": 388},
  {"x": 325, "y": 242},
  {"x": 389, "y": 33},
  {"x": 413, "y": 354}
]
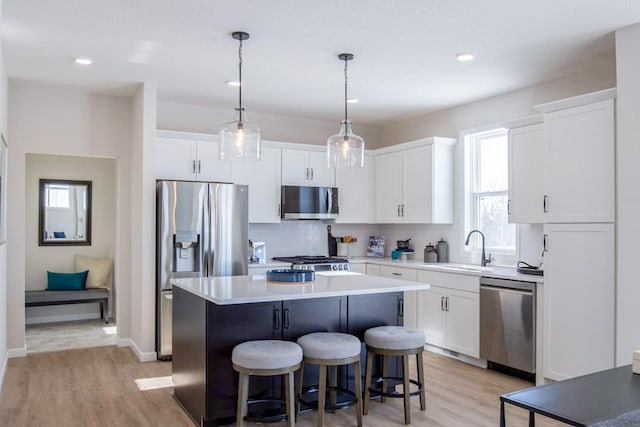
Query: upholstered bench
[{"x": 44, "y": 297}]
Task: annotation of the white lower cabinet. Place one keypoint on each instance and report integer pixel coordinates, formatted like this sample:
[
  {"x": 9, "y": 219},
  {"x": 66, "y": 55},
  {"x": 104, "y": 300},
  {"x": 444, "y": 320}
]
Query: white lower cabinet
[
  {"x": 579, "y": 299},
  {"x": 358, "y": 268},
  {"x": 410, "y": 303},
  {"x": 449, "y": 312}
]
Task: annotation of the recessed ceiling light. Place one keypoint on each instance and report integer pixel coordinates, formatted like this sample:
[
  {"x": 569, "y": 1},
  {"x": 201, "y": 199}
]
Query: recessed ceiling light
[
  {"x": 83, "y": 61},
  {"x": 233, "y": 83},
  {"x": 352, "y": 101},
  {"x": 465, "y": 57}
]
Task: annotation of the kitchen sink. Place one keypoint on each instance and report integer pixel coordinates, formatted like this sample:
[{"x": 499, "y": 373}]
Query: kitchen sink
[{"x": 460, "y": 267}]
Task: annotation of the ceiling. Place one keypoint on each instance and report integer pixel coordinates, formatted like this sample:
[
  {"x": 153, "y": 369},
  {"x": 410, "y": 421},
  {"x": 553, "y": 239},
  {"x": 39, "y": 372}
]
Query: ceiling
[{"x": 404, "y": 49}]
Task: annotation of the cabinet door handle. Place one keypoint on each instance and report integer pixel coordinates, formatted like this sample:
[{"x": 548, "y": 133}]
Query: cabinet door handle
[
  {"x": 276, "y": 319},
  {"x": 545, "y": 246},
  {"x": 311, "y": 174},
  {"x": 193, "y": 166},
  {"x": 285, "y": 324},
  {"x": 402, "y": 210},
  {"x": 401, "y": 307},
  {"x": 399, "y": 210},
  {"x": 396, "y": 274},
  {"x": 279, "y": 210},
  {"x": 441, "y": 303},
  {"x": 508, "y": 207},
  {"x": 545, "y": 203},
  {"x": 199, "y": 166},
  {"x": 446, "y": 304}
]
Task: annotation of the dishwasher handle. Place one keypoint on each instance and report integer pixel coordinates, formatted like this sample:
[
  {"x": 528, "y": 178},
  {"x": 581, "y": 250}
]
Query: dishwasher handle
[
  {"x": 506, "y": 290},
  {"x": 507, "y": 284}
]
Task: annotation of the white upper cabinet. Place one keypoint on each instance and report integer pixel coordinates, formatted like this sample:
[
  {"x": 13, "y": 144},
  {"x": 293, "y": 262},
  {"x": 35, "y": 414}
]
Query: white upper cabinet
[
  {"x": 263, "y": 179},
  {"x": 355, "y": 193},
  {"x": 579, "y": 158},
  {"x": 388, "y": 187},
  {"x": 526, "y": 185},
  {"x": 189, "y": 157},
  {"x": 306, "y": 168},
  {"x": 414, "y": 182},
  {"x": 578, "y": 161}
]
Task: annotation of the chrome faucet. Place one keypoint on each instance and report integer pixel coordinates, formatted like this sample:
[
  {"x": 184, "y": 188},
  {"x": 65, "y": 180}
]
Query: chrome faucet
[{"x": 484, "y": 260}]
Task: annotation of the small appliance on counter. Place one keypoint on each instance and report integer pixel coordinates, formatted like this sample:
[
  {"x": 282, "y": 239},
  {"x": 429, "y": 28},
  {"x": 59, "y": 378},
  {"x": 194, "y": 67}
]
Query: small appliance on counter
[
  {"x": 526, "y": 268},
  {"x": 430, "y": 254},
  {"x": 402, "y": 250},
  {"x": 442, "y": 248}
]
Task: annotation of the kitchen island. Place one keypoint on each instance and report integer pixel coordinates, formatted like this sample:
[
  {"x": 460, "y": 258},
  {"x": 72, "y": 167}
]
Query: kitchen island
[{"x": 212, "y": 315}]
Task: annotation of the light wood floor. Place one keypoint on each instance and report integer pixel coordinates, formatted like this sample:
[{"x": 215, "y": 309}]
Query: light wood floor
[
  {"x": 68, "y": 335},
  {"x": 95, "y": 387}
]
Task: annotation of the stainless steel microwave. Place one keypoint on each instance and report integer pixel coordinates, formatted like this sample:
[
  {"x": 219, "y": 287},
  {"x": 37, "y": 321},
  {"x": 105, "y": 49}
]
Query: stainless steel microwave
[{"x": 299, "y": 202}]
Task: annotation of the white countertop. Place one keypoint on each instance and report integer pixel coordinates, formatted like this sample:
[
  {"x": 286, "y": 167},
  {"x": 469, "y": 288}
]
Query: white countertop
[
  {"x": 255, "y": 288},
  {"x": 469, "y": 269}
]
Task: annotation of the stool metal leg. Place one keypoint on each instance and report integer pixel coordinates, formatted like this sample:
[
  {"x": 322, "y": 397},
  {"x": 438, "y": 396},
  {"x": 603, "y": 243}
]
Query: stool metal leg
[
  {"x": 322, "y": 394},
  {"x": 299, "y": 389},
  {"x": 333, "y": 372},
  {"x": 367, "y": 382},
  {"x": 358, "y": 390},
  {"x": 243, "y": 396},
  {"x": 405, "y": 381},
  {"x": 420, "y": 367},
  {"x": 290, "y": 399},
  {"x": 385, "y": 373}
]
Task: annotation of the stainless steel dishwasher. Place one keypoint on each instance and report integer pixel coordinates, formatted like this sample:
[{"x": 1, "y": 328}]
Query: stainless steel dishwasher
[{"x": 508, "y": 323}]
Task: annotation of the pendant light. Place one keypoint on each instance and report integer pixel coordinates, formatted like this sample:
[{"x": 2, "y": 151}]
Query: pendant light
[
  {"x": 345, "y": 149},
  {"x": 239, "y": 139}
]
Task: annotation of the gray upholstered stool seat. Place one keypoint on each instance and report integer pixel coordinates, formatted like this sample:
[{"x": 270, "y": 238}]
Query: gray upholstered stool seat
[
  {"x": 330, "y": 350},
  {"x": 267, "y": 354},
  {"x": 395, "y": 341},
  {"x": 394, "y": 337},
  {"x": 329, "y": 345},
  {"x": 266, "y": 358}
]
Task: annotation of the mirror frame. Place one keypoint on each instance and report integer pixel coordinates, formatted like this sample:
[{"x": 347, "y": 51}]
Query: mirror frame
[{"x": 53, "y": 242}]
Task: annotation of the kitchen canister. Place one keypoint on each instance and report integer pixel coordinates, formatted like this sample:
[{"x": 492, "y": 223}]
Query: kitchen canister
[
  {"x": 430, "y": 254},
  {"x": 442, "y": 248}
]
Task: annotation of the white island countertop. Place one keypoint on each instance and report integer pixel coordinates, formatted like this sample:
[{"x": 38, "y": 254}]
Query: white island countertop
[{"x": 251, "y": 289}]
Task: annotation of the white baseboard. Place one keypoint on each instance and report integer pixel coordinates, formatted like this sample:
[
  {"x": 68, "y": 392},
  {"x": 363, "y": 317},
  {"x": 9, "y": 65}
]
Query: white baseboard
[
  {"x": 17, "y": 352},
  {"x": 480, "y": 363},
  {"x": 149, "y": 356},
  {"x": 60, "y": 318}
]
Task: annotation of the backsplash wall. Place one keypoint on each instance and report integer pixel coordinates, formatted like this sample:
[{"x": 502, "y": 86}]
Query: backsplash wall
[{"x": 310, "y": 238}]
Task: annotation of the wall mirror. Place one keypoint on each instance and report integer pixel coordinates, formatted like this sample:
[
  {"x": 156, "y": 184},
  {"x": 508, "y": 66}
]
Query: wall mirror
[{"x": 65, "y": 213}]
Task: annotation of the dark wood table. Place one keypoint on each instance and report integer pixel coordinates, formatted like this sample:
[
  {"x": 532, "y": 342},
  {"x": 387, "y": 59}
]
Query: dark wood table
[{"x": 580, "y": 401}]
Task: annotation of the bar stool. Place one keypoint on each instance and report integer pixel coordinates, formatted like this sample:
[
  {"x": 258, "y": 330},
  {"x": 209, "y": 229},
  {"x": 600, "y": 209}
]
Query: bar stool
[
  {"x": 395, "y": 341},
  {"x": 331, "y": 349},
  {"x": 266, "y": 358}
]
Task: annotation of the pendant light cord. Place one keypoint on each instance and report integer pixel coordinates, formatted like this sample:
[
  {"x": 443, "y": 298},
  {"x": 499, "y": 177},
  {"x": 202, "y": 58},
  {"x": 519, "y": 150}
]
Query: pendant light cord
[
  {"x": 240, "y": 77},
  {"x": 346, "y": 61}
]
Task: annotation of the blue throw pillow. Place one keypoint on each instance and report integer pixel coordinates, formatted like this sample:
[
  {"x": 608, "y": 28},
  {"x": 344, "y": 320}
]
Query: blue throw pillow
[{"x": 66, "y": 281}]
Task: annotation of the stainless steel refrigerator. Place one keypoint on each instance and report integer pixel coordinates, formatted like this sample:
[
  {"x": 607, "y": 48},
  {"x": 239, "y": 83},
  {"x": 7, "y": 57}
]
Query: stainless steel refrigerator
[{"x": 202, "y": 230}]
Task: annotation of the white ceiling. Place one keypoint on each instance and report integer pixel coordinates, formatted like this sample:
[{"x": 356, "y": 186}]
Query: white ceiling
[{"x": 404, "y": 49}]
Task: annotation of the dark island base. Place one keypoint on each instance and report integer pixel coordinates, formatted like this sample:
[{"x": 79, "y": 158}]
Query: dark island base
[{"x": 205, "y": 333}]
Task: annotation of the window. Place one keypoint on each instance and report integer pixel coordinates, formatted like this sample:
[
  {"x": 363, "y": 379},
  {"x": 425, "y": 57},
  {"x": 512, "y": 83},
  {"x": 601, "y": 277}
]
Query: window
[
  {"x": 486, "y": 190},
  {"x": 57, "y": 197}
]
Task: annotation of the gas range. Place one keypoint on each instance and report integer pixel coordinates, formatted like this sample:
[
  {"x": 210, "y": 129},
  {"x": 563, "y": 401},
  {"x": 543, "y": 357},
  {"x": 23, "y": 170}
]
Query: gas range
[{"x": 316, "y": 263}]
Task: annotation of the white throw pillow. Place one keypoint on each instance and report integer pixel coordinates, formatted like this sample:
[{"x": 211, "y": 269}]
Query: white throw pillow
[{"x": 99, "y": 270}]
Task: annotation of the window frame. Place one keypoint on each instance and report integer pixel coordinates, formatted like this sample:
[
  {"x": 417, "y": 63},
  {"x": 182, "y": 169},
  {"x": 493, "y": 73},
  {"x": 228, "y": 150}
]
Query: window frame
[{"x": 470, "y": 197}]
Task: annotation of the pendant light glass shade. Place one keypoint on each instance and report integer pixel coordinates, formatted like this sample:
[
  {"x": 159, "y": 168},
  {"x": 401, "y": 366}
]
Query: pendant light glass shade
[
  {"x": 239, "y": 140},
  {"x": 346, "y": 149}
]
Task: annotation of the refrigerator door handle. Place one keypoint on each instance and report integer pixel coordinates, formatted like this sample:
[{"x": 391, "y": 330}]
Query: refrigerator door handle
[
  {"x": 206, "y": 240},
  {"x": 329, "y": 200}
]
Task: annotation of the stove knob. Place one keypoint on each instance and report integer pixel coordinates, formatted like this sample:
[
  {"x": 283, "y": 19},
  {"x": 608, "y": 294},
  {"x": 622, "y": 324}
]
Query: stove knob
[
  {"x": 339, "y": 266},
  {"x": 334, "y": 267}
]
